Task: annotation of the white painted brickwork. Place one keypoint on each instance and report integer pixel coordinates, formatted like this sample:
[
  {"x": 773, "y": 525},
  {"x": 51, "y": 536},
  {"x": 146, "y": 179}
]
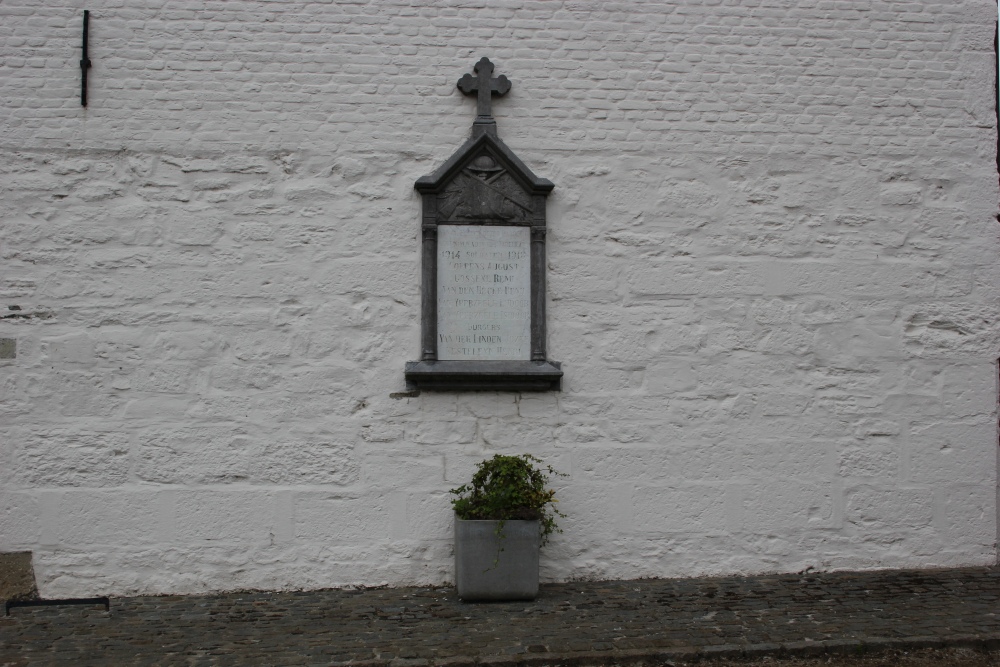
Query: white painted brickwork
[{"x": 773, "y": 268}]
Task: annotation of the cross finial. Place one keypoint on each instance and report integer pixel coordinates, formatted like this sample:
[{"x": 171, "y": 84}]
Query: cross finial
[{"x": 486, "y": 86}]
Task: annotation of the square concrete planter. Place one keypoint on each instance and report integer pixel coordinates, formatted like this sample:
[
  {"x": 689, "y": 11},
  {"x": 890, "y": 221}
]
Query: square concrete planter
[{"x": 481, "y": 575}]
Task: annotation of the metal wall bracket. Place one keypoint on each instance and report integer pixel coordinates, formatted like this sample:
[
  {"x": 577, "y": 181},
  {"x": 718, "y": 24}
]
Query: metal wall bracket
[{"x": 85, "y": 60}]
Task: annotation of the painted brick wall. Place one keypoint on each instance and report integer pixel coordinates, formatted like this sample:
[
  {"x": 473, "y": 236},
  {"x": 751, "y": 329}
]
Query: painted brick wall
[{"x": 772, "y": 269}]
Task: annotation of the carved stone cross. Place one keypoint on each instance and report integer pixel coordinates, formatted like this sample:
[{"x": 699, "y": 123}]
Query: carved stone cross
[{"x": 486, "y": 85}]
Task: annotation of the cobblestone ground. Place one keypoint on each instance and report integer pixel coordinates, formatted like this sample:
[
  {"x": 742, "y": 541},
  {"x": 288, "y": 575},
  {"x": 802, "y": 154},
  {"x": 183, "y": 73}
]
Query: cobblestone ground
[
  {"x": 947, "y": 657},
  {"x": 818, "y": 618}
]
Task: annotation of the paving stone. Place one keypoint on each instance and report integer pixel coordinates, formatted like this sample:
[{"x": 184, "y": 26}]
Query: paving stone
[{"x": 579, "y": 623}]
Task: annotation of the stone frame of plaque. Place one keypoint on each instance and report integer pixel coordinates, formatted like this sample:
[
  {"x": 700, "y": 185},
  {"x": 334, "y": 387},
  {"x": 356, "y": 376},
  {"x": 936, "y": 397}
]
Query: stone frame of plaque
[{"x": 484, "y": 185}]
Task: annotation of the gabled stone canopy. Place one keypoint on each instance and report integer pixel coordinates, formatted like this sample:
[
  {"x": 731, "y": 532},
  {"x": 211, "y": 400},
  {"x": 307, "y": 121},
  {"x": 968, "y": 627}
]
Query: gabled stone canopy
[{"x": 485, "y": 145}]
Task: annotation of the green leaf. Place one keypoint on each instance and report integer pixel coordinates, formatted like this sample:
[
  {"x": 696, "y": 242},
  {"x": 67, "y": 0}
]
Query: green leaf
[{"x": 509, "y": 488}]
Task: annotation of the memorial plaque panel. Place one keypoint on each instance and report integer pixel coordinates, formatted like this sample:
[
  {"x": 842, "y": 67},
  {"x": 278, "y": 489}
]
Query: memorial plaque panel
[
  {"x": 482, "y": 258},
  {"x": 484, "y": 295}
]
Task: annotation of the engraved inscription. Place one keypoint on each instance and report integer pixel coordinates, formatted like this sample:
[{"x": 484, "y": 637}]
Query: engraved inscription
[{"x": 484, "y": 296}]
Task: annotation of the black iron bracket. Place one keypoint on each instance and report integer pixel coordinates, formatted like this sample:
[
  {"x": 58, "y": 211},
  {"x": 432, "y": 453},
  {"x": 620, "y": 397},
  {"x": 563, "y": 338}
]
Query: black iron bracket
[
  {"x": 10, "y": 604},
  {"x": 85, "y": 60}
]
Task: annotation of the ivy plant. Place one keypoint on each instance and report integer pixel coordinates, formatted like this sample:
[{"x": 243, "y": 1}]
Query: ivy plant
[{"x": 510, "y": 488}]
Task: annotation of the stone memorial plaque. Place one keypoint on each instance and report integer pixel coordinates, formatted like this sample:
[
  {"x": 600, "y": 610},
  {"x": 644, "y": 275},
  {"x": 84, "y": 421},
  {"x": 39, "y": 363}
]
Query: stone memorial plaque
[
  {"x": 484, "y": 292},
  {"x": 482, "y": 277}
]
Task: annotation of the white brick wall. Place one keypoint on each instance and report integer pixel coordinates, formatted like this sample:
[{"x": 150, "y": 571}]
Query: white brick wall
[{"x": 772, "y": 279}]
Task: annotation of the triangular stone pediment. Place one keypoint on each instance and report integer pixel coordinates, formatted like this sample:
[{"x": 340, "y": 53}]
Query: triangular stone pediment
[{"x": 484, "y": 183}]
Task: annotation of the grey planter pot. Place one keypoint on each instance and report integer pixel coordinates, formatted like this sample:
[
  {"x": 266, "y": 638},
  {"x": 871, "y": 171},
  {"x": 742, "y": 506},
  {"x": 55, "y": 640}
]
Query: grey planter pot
[{"x": 515, "y": 575}]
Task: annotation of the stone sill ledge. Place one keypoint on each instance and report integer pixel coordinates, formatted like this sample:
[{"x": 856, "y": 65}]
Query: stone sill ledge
[{"x": 513, "y": 375}]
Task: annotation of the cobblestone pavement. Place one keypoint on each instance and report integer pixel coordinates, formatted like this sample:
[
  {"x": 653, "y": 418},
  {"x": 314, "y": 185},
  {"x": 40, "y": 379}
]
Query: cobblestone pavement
[{"x": 584, "y": 623}]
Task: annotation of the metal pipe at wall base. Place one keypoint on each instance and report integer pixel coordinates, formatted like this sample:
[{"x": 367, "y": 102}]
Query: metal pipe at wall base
[{"x": 11, "y": 604}]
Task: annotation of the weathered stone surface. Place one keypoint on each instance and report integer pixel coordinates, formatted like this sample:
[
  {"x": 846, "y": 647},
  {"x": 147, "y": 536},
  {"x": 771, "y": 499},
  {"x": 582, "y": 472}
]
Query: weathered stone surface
[
  {"x": 222, "y": 517},
  {"x": 64, "y": 457},
  {"x": 341, "y": 521},
  {"x": 199, "y": 456},
  {"x": 99, "y": 517},
  {"x": 771, "y": 262},
  {"x": 701, "y": 507},
  {"x": 310, "y": 460},
  {"x": 17, "y": 578},
  {"x": 20, "y": 513}
]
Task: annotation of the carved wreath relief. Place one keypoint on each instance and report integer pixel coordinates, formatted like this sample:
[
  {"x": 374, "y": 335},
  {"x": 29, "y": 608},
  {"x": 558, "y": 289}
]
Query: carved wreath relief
[{"x": 482, "y": 192}]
